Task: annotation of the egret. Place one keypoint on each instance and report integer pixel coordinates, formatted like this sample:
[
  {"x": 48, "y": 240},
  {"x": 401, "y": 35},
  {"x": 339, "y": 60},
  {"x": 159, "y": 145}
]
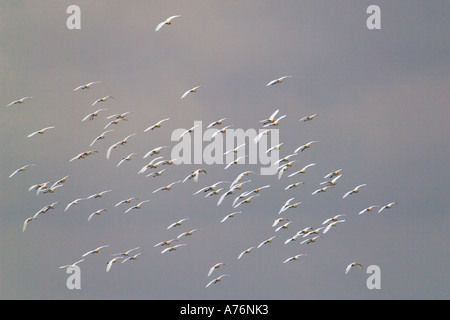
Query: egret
[
  {"x": 127, "y": 158},
  {"x": 168, "y": 187},
  {"x": 216, "y": 123},
  {"x": 128, "y": 201},
  {"x": 269, "y": 240},
  {"x": 368, "y": 209},
  {"x": 303, "y": 170},
  {"x": 95, "y": 250},
  {"x": 186, "y": 234},
  {"x": 271, "y": 119},
  {"x": 176, "y": 224},
  {"x": 305, "y": 146},
  {"x": 94, "y": 114},
  {"x": 276, "y": 81},
  {"x": 20, "y": 101},
  {"x": 110, "y": 263},
  {"x": 351, "y": 265},
  {"x": 74, "y": 202},
  {"x": 96, "y": 213},
  {"x": 72, "y": 265},
  {"x": 294, "y": 258},
  {"x": 154, "y": 151},
  {"x": 214, "y": 267},
  {"x": 216, "y": 280},
  {"x": 83, "y": 155},
  {"x": 168, "y": 21},
  {"x": 174, "y": 248},
  {"x": 388, "y": 206},
  {"x": 42, "y": 131},
  {"x": 156, "y": 125},
  {"x": 102, "y": 100},
  {"x": 231, "y": 215},
  {"x": 245, "y": 252},
  {"x": 332, "y": 224},
  {"x": 190, "y": 90},
  {"x": 86, "y": 86},
  {"x": 354, "y": 190},
  {"x": 138, "y": 206},
  {"x": 21, "y": 169},
  {"x": 308, "y": 118}
]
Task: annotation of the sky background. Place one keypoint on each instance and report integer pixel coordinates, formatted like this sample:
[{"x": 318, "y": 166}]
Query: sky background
[{"x": 383, "y": 103}]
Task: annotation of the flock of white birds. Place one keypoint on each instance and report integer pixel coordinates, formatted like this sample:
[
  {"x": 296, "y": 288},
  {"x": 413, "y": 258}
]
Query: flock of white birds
[{"x": 222, "y": 190}]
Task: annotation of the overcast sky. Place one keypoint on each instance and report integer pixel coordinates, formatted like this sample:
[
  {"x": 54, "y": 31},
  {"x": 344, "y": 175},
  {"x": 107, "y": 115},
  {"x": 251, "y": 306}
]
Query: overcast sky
[{"x": 383, "y": 103}]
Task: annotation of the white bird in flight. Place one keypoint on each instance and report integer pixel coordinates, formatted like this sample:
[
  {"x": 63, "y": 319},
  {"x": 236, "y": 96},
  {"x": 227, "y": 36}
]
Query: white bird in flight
[
  {"x": 194, "y": 89},
  {"x": 368, "y": 209},
  {"x": 174, "y": 248},
  {"x": 168, "y": 187},
  {"x": 86, "y": 86},
  {"x": 231, "y": 215},
  {"x": 294, "y": 258},
  {"x": 128, "y": 201},
  {"x": 42, "y": 131},
  {"x": 245, "y": 252},
  {"x": 335, "y": 218},
  {"x": 332, "y": 224},
  {"x": 102, "y": 100},
  {"x": 21, "y": 169},
  {"x": 216, "y": 123},
  {"x": 111, "y": 262},
  {"x": 138, "y": 206},
  {"x": 388, "y": 206},
  {"x": 276, "y": 81},
  {"x": 127, "y": 158},
  {"x": 354, "y": 190},
  {"x": 168, "y": 21},
  {"x": 83, "y": 155},
  {"x": 19, "y": 101},
  {"x": 126, "y": 253},
  {"x": 271, "y": 119},
  {"x": 214, "y": 267},
  {"x": 218, "y": 279},
  {"x": 94, "y": 114},
  {"x": 72, "y": 265},
  {"x": 284, "y": 226},
  {"x": 156, "y": 125},
  {"x": 351, "y": 265},
  {"x": 305, "y": 146},
  {"x": 74, "y": 202},
  {"x": 154, "y": 151},
  {"x": 191, "y": 130},
  {"x": 176, "y": 224},
  {"x": 98, "y": 195},
  {"x": 186, "y": 233},
  {"x": 97, "y": 250},
  {"x": 100, "y": 137},
  {"x": 96, "y": 213},
  {"x": 308, "y": 118},
  {"x": 266, "y": 241},
  {"x": 115, "y": 145},
  {"x": 303, "y": 170}
]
